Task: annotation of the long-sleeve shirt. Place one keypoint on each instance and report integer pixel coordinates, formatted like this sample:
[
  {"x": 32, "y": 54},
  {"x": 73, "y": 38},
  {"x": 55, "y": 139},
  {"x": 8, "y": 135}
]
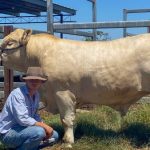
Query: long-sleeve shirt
[{"x": 20, "y": 109}]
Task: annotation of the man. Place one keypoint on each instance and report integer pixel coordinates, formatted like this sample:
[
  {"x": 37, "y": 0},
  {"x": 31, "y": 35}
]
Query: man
[{"x": 21, "y": 127}]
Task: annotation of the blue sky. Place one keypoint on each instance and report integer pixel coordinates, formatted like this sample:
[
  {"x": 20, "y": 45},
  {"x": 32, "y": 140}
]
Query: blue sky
[{"x": 107, "y": 10}]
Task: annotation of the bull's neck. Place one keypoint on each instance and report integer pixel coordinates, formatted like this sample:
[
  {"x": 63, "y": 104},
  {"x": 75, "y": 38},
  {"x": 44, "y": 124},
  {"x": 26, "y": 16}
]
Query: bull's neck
[{"x": 34, "y": 50}]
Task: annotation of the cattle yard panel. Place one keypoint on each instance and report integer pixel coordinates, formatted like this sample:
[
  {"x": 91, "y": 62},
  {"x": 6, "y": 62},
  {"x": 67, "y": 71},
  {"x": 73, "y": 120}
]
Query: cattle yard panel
[{"x": 129, "y": 11}]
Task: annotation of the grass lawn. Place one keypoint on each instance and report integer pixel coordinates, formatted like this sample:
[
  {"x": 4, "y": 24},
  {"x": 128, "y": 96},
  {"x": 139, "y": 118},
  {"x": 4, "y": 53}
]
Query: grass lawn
[{"x": 104, "y": 129}]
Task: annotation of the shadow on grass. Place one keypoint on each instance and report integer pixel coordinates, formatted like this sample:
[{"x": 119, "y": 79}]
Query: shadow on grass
[
  {"x": 138, "y": 134},
  {"x": 59, "y": 129}
]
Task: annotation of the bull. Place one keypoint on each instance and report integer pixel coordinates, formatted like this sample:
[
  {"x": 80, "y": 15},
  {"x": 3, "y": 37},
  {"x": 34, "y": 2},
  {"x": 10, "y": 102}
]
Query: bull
[{"x": 113, "y": 73}]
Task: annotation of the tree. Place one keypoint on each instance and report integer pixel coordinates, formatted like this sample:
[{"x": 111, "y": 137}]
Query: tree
[{"x": 101, "y": 36}]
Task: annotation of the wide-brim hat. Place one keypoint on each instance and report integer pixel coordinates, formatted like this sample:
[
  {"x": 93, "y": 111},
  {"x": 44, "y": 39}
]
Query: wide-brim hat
[{"x": 35, "y": 73}]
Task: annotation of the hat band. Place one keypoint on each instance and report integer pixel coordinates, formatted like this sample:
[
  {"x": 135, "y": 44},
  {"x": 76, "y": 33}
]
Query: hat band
[{"x": 38, "y": 75}]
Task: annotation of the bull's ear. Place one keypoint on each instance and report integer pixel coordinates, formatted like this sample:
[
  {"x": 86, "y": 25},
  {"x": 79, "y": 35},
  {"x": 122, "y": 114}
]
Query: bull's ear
[{"x": 25, "y": 37}]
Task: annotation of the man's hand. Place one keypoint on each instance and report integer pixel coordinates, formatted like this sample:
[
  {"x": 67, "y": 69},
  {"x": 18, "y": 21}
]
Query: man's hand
[{"x": 48, "y": 129}]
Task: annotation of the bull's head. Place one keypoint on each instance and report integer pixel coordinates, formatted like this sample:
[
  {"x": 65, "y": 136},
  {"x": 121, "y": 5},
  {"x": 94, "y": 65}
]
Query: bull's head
[{"x": 13, "y": 48}]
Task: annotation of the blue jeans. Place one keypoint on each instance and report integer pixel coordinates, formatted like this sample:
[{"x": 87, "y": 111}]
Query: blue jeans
[{"x": 25, "y": 138}]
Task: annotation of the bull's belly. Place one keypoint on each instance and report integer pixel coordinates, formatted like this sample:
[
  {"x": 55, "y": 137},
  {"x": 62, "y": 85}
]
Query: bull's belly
[{"x": 109, "y": 97}]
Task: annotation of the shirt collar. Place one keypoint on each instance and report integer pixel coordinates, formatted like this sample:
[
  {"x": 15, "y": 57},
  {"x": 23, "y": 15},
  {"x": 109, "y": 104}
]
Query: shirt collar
[{"x": 26, "y": 90}]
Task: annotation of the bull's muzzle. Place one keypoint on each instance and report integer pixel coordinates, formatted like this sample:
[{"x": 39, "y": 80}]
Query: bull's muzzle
[{"x": 1, "y": 48}]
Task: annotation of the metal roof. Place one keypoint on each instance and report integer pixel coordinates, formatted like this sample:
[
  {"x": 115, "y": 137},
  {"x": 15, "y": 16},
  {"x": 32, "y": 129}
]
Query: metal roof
[{"x": 34, "y": 7}]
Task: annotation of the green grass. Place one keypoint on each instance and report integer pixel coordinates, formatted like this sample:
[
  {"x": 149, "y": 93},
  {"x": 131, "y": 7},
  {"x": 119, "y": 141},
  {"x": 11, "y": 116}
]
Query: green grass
[{"x": 104, "y": 129}]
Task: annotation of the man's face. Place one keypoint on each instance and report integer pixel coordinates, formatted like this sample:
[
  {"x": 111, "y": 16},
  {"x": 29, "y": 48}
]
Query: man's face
[{"x": 34, "y": 84}]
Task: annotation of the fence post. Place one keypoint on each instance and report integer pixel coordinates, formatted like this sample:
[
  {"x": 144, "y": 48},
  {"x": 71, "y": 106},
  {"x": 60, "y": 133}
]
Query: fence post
[{"x": 8, "y": 74}]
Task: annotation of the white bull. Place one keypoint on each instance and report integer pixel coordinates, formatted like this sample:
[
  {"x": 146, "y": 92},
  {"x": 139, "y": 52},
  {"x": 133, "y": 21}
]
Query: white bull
[{"x": 114, "y": 73}]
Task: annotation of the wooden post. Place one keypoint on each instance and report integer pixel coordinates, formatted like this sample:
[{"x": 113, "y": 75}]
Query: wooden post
[{"x": 8, "y": 74}]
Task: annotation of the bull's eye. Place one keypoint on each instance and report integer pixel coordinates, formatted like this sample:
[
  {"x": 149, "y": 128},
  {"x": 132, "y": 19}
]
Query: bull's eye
[{"x": 10, "y": 43}]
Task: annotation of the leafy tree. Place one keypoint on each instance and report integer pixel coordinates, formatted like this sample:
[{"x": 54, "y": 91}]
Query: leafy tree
[{"x": 101, "y": 36}]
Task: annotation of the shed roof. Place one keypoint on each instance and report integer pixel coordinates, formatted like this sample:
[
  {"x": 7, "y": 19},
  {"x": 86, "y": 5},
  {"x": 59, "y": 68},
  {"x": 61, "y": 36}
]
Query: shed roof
[{"x": 34, "y": 7}]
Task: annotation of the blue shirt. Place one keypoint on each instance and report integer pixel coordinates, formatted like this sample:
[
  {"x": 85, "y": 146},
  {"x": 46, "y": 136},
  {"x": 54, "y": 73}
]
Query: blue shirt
[{"x": 20, "y": 109}]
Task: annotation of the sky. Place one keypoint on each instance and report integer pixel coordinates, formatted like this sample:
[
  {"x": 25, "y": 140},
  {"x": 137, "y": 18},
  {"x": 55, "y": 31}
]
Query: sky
[{"x": 107, "y": 10}]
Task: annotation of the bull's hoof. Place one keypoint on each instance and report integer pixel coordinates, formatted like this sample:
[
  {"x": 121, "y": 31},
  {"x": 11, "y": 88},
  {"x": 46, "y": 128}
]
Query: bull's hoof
[{"x": 67, "y": 145}]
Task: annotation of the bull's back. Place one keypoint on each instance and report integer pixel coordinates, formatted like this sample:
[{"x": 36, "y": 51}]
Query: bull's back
[{"x": 71, "y": 58}]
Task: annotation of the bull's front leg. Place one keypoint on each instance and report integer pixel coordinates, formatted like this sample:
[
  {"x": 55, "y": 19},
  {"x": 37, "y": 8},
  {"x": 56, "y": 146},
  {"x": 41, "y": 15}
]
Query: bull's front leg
[{"x": 66, "y": 103}]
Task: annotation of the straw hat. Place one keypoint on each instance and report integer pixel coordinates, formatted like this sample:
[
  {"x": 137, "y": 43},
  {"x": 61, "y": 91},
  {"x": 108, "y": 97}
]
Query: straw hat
[{"x": 35, "y": 73}]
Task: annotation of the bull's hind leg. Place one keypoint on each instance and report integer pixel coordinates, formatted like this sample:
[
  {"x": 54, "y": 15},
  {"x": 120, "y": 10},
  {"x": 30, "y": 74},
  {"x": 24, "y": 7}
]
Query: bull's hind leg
[{"x": 66, "y": 104}]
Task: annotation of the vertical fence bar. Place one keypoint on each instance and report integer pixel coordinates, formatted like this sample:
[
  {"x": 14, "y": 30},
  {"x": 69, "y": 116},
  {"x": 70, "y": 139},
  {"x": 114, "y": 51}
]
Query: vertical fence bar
[
  {"x": 61, "y": 21},
  {"x": 124, "y": 19},
  {"x": 148, "y": 29},
  {"x": 94, "y": 19}
]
